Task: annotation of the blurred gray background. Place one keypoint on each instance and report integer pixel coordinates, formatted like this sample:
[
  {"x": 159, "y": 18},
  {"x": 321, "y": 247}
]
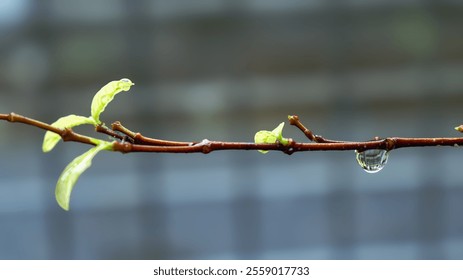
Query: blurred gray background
[{"x": 222, "y": 70}]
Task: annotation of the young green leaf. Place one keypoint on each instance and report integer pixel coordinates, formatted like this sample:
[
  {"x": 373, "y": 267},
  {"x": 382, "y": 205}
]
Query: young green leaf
[
  {"x": 264, "y": 137},
  {"x": 51, "y": 138},
  {"x": 106, "y": 95},
  {"x": 71, "y": 173},
  {"x": 271, "y": 137},
  {"x": 278, "y": 131}
]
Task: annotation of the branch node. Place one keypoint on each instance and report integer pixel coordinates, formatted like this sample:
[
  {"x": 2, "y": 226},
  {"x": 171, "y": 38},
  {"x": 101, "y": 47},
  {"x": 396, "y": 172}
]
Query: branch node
[
  {"x": 12, "y": 117},
  {"x": 318, "y": 139},
  {"x": 206, "y": 146},
  {"x": 67, "y": 134},
  {"x": 122, "y": 147},
  {"x": 137, "y": 136},
  {"x": 289, "y": 149},
  {"x": 390, "y": 143}
]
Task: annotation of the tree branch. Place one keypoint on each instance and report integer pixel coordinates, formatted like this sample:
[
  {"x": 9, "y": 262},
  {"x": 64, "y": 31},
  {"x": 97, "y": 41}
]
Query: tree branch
[
  {"x": 294, "y": 120},
  {"x": 131, "y": 141},
  {"x": 66, "y": 134},
  {"x": 140, "y": 139}
]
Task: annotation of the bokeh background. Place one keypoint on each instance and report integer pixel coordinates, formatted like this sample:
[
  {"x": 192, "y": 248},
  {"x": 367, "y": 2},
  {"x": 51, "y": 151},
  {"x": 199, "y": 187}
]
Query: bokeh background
[{"x": 222, "y": 70}]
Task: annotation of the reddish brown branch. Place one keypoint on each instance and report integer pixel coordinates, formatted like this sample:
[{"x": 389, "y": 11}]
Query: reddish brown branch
[
  {"x": 66, "y": 134},
  {"x": 140, "y": 139},
  {"x": 204, "y": 146},
  {"x": 209, "y": 146},
  {"x": 110, "y": 132},
  {"x": 294, "y": 120},
  {"x": 140, "y": 143},
  {"x": 13, "y": 117}
]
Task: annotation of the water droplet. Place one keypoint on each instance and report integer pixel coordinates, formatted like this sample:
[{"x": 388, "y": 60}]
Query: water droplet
[{"x": 372, "y": 161}]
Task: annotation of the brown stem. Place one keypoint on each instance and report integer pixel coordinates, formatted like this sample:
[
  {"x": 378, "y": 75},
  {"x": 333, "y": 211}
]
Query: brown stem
[
  {"x": 13, "y": 117},
  {"x": 140, "y": 139},
  {"x": 208, "y": 146},
  {"x": 103, "y": 129},
  {"x": 66, "y": 134},
  {"x": 294, "y": 120},
  {"x": 204, "y": 146}
]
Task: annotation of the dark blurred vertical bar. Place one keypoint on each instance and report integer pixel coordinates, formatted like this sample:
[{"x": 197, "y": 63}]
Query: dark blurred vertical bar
[
  {"x": 245, "y": 203},
  {"x": 340, "y": 201},
  {"x": 60, "y": 229},
  {"x": 246, "y": 207},
  {"x": 431, "y": 194},
  {"x": 137, "y": 28},
  {"x": 152, "y": 211}
]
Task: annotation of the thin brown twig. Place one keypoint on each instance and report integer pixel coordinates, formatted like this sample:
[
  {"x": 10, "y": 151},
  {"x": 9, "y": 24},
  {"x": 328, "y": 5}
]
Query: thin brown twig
[
  {"x": 140, "y": 139},
  {"x": 66, "y": 134},
  {"x": 294, "y": 120},
  {"x": 105, "y": 130}
]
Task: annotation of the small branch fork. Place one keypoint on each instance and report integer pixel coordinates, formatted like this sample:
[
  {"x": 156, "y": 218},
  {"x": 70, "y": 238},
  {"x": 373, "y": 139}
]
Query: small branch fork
[{"x": 130, "y": 142}]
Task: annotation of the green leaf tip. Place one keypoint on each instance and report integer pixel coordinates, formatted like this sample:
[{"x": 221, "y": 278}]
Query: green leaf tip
[
  {"x": 51, "y": 139},
  {"x": 271, "y": 137},
  {"x": 72, "y": 172},
  {"x": 106, "y": 95}
]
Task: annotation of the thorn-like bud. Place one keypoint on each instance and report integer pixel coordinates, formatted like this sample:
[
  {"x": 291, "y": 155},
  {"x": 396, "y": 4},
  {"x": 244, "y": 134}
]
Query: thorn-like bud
[
  {"x": 293, "y": 119},
  {"x": 459, "y": 128}
]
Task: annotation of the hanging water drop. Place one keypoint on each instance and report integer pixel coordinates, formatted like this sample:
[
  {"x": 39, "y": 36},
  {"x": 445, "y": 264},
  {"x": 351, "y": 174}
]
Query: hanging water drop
[{"x": 373, "y": 160}]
